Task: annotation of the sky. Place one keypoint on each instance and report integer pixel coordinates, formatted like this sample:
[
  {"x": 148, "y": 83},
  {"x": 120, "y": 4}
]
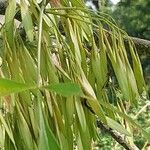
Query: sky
[{"x": 115, "y": 1}]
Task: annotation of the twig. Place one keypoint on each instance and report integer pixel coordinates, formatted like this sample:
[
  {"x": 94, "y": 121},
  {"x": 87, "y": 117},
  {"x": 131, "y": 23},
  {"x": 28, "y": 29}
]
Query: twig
[
  {"x": 142, "y": 109},
  {"x": 115, "y": 135},
  {"x": 142, "y": 45}
]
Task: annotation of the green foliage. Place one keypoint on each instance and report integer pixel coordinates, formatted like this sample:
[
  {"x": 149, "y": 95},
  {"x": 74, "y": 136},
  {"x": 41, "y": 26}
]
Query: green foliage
[
  {"x": 142, "y": 115},
  {"x": 133, "y": 17},
  {"x": 54, "y": 83},
  {"x": 7, "y": 87},
  {"x": 65, "y": 89}
]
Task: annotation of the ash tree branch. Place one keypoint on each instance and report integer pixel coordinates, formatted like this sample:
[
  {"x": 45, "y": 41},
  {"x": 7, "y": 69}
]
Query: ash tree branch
[
  {"x": 142, "y": 45},
  {"x": 115, "y": 135}
]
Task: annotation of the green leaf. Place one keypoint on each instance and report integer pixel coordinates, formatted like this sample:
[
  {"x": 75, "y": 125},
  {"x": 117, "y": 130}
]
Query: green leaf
[
  {"x": 130, "y": 120},
  {"x": 74, "y": 41},
  {"x": 8, "y": 87},
  {"x": 27, "y": 20},
  {"x": 81, "y": 114},
  {"x": 7, "y": 128},
  {"x": 23, "y": 130},
  {"x": 70, "y": 108},
  {"x": 65, "y": 89},
  {"x": 9, "y": 21},
  {"x": 116, "y": 126},
  {"x": 47, "y": 138}
]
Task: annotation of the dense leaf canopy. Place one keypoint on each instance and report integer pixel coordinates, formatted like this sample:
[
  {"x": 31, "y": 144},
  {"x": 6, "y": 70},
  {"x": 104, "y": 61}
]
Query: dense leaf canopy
[{"x": 68, "y": 73}]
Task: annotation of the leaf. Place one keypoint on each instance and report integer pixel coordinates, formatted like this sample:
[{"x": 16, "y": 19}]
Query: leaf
[
  {"x": 93, "y": 103},
  {"x": 81, "y": 114},
  {"x": 27, "y": 20},
  {"x": 6, "y": 126},
  {"x": 24, "y": 130},
  {"x": 85, "y": 137},
  {"x": 47, "y": 139},
  {"x": 74, "y": 41},
  {"x": 8, "y": 87},
  {"x": 65, "y": 89},
  {"x": 116, "y": 126},
  {"x": 96, "y": 107},
  {"x": 9, "y": 21},
  {"x": 137, "y": 69},
  {"x": 70, "y": 108},
  {"x": 129, "y": 119}
]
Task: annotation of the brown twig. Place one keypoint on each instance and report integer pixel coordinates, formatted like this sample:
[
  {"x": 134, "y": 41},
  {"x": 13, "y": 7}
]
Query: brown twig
[{"x": 115, "y": 135}]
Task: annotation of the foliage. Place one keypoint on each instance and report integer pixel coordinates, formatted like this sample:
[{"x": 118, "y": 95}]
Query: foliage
[
  {"x": 142, "y": 115},
  {"x": 57, "y": 81},
  {"x": 133, "y": 17}
]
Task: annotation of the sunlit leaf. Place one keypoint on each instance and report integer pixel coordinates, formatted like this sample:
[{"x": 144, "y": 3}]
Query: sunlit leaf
[
  {"x": 47, "y": 139},
  {"x": 125, "y": 116},
  {"x": 7, "y": 128},
  {"x": 65, "y": 89},
  {"x": 81, "y": 115},
  {"x": 116, "y": 126},
  {"x": 26, "y": 19},
  {"x": 76, "y": 47},
  {"x": 24, "y": 131},
  {"x": 9, "y": 21},
  {"x": 8, "y": 87}
]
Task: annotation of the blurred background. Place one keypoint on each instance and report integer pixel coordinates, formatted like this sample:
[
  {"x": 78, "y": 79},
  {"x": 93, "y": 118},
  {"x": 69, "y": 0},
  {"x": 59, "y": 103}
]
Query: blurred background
[{"x": 131, "y": 15}]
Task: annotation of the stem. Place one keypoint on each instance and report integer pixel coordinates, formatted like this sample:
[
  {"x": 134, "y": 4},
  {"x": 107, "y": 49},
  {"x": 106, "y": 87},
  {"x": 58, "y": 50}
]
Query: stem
[
  {"x": 114, "y": 135},
  {"x": 142, "y": 109},
  {"x": 39, "y": 46},
  {"x": 142, "y": 45},
  {"x": 39, "y": 100}
]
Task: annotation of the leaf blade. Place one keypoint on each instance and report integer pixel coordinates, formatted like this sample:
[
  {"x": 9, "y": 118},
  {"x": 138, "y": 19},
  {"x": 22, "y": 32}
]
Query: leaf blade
[
  {"x": 65, "y": 89},
  {"x": 116, "y": 126},
  {"x": 27, "y": 20},
  {"x": 8, "y": 87}
]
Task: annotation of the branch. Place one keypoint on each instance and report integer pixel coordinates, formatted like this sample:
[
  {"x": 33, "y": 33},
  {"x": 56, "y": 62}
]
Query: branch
[
  {"x": 114, "y": 135},
  {"x": 142, "y": 46}
]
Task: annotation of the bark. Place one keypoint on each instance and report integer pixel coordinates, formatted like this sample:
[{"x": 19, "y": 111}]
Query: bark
[
  {"x": 142, "y": 46},
  {"x": 115, "y": 135}
]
